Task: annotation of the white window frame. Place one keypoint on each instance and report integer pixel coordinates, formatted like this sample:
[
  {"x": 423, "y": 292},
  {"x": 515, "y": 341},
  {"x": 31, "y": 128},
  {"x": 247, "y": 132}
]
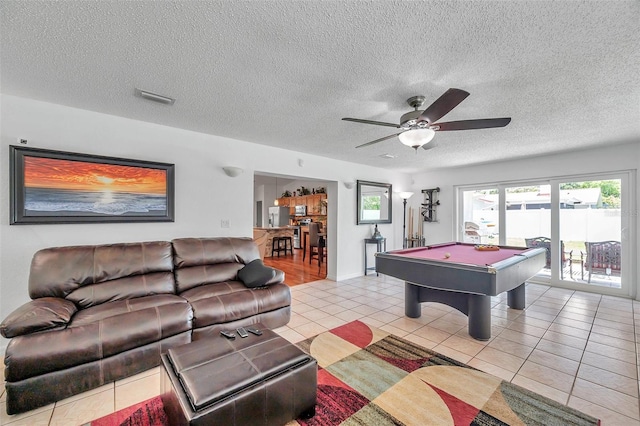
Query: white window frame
[{"x": 628, "y": 226}]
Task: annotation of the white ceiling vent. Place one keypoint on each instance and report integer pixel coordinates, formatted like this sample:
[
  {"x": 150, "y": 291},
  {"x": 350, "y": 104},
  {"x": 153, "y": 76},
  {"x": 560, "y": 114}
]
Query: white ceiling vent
[{"x": 155, "y": 97}]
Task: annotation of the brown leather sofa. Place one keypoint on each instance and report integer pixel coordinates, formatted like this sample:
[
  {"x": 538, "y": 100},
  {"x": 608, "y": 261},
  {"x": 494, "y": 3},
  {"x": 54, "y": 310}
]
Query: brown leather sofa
[{"x": 103, "y": 313}]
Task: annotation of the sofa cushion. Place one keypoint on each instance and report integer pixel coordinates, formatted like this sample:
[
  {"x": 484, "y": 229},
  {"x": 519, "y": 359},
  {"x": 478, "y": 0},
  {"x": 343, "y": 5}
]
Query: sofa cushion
[
  {"x": 194, "y": 276},
  {"x": 201, "y": 261},
  {"x": 209, "y": 251},
  {"x": 229, "y": 301},
  {"x": 128, "y": 270},
  {"x": 37, "y": 315},
  {"x": 256, "y": 274},
  {"x": 123, "y": 289},
  {"x": 112, "y": 309}
]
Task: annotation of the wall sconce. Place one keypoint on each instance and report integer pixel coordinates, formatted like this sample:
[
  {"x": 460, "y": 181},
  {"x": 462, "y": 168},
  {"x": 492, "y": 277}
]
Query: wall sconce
[
  {"x": 232, "y": 171},
  {"x": 349, "y": 185}
]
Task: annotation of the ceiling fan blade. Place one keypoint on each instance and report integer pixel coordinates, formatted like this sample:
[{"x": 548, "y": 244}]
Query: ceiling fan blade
[
  {"x": 445, "y": 103},
  {"x": 377, "y": 123},
  {"x": 485, "y": 123},
  {"x": 378, "y": 140}
]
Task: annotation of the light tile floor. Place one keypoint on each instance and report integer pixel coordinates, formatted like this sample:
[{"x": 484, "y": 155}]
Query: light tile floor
[{"x": 580, "y": 349}]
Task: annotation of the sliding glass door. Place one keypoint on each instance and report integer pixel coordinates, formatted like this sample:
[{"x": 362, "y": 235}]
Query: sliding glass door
[
  {"x": 480, "y": 222},
  {"x": 578, "y": 220},
  {"x": 590, "y": 227},
  {"x": 527, "y": 215}
]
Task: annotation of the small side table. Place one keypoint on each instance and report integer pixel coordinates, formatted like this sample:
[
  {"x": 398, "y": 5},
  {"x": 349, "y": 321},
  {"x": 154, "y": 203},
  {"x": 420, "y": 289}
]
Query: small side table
[{"x": 379, "y": 242}]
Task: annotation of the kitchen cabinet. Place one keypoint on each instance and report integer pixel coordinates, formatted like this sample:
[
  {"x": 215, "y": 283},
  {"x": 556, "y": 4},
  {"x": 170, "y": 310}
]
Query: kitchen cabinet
[
  {"x": 312, "y": 202},
  {"x": 316, "y": 203},
  {"x": 293, "y": 202}
]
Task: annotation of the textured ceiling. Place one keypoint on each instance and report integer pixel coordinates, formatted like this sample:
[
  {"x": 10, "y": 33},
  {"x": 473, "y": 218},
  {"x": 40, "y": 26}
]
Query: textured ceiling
[{"x": 283, "y": 73}]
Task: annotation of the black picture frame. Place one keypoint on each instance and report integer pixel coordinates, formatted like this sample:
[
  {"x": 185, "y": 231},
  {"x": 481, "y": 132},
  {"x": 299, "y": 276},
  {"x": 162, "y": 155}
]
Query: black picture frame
[
  {"x": 54, "y": 187},
  {"x": 383, "y": 193}
]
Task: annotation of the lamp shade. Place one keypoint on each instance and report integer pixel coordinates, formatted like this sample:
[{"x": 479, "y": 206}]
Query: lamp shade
[
  {"x": 417, "y": 137},
  {"x": 405, "y": 195}
]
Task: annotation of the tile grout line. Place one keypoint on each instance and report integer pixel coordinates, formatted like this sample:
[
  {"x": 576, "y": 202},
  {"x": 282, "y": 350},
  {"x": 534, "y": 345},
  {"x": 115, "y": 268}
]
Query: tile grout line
[
  {"x": 580, "y": 363},
  {"x": 575, "y": 378},
  {"x": 542, "y": 337}
]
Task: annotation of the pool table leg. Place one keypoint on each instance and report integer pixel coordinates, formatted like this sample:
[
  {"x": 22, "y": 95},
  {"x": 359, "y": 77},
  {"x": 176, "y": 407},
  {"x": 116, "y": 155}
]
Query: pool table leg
[
  {"x": 412, "y": 300},
  {"x": 475, "y": 306},
  {"x": 515, "y": 297},
  {"x": 479, "y": 316}
]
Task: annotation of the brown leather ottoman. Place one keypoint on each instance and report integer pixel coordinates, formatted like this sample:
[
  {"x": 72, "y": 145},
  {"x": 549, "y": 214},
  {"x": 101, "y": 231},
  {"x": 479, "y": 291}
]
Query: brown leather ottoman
[{"x": 257, "y": 380}]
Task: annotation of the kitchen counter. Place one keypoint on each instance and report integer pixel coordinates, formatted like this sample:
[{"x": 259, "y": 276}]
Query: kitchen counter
[
  {"x": 275, "y": 228},
  {"x": 264, "y": 237}
]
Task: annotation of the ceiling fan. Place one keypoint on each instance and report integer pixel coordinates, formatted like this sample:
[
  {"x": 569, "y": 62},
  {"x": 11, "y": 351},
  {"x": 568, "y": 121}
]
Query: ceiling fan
[{"x": 419, "y": 127}]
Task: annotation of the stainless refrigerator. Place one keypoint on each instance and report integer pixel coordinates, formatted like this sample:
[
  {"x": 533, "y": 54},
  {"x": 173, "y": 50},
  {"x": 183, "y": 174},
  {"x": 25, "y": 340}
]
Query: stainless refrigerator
[{"x": 278, "y": 216}]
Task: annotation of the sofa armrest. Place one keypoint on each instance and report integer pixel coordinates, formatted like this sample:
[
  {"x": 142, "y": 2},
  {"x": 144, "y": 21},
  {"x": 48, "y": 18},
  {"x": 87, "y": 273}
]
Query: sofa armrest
[{"x": 44, "y": 313}]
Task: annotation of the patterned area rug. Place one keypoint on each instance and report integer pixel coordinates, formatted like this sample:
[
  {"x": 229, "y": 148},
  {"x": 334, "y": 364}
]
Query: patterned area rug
[
  {"x": 369, "y": 377},
  {"x": 146, "y": 413}
]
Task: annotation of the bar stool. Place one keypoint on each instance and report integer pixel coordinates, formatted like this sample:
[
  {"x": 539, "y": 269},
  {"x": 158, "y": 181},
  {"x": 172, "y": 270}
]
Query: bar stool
[
  {"x": 288, "y": 244},
  {"x": 279, "y": 244}
]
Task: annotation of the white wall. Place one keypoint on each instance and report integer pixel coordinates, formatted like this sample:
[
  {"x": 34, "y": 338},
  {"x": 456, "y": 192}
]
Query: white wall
[
  {"x": 204, "y": 194},
  {"x": 613, "y": 158}
]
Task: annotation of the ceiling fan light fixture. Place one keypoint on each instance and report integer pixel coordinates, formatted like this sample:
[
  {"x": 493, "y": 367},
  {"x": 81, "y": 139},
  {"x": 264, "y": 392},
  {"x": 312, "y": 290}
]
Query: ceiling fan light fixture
[{"x": 417, "y": 137}]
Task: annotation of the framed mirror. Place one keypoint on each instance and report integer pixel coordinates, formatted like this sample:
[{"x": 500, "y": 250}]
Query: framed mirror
[{"x": 374, "y": 202}]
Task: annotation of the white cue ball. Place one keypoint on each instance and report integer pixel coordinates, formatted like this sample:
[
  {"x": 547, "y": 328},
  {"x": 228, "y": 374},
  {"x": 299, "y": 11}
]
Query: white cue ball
[{"x": 447, "y": 255}]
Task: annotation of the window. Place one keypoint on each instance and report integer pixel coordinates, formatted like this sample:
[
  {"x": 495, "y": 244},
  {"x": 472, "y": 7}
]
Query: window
[{"x": 578, "y": 219}]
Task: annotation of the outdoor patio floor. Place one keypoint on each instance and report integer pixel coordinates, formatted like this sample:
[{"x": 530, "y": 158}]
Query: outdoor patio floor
[{"x": 574, "y": 273}]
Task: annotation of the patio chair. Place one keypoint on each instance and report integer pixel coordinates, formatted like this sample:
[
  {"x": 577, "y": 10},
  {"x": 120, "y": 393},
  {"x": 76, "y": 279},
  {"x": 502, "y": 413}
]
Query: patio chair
[
  {"x": 545, "y": 242},
  {"x": 603, "y": 257},
  {"x": 471, "y": 234}
]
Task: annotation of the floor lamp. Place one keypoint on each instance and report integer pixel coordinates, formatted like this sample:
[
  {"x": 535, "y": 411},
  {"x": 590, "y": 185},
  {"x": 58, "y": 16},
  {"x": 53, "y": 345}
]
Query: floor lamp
[{"x": 405, "y": 196}]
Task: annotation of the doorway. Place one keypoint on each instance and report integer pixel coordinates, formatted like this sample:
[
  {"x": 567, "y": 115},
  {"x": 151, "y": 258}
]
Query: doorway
[{"x": 305, "y": 200}]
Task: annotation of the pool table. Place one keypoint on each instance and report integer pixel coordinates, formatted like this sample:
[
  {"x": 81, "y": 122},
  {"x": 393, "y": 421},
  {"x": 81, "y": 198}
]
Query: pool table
[{"x": 463, "y": 277}]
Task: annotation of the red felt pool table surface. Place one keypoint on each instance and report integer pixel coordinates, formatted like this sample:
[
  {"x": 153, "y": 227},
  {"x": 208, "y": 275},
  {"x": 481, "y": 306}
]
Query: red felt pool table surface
[{"x": 460, "y": 253}]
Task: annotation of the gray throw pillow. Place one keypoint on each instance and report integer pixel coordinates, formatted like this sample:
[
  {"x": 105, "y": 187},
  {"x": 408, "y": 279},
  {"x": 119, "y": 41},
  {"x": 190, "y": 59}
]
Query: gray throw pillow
[{"x": 256, "y": 274}]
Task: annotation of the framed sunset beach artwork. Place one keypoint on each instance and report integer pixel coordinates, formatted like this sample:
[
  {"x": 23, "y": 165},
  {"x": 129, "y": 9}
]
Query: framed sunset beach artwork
[{"x": 63, "y": 187}]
